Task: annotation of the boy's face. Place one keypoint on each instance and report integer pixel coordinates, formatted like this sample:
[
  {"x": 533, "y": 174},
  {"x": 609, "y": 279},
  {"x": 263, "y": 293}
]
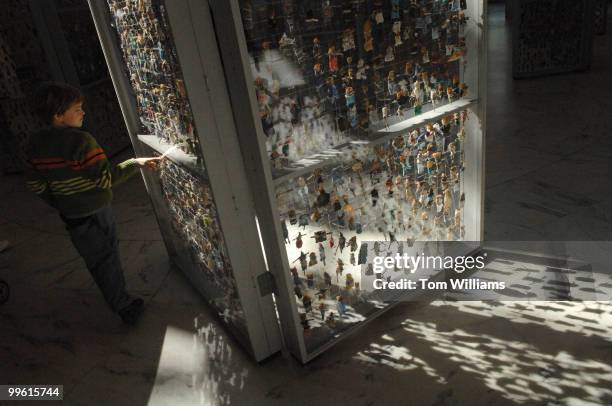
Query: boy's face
[{"x": 73, "y": 117}]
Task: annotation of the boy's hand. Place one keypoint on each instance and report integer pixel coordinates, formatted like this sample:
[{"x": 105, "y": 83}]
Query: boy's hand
[{"x": 148, "y": 163}]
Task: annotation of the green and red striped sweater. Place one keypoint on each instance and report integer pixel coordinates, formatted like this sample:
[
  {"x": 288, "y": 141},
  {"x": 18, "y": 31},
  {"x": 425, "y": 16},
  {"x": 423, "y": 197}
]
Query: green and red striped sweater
[{"x": 68, "y": 169}]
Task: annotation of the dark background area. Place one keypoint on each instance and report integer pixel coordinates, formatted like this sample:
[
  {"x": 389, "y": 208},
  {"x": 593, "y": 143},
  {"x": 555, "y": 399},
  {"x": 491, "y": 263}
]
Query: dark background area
[{"x": 55, "y": 40}]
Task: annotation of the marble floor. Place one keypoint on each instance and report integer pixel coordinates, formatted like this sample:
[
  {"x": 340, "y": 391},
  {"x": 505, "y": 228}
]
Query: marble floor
[{"x": 549, "y": 143}]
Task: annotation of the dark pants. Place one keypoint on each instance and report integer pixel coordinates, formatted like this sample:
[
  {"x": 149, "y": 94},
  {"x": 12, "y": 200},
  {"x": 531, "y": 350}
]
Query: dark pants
[{"x": 95, "y": 238}]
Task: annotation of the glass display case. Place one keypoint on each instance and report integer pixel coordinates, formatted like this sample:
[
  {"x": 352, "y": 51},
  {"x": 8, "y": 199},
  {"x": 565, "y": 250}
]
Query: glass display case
[{"x": 304, "y": 137}]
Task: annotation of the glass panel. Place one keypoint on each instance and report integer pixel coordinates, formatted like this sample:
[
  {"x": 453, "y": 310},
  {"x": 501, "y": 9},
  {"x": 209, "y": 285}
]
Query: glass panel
[
  {"x": 400, "y": 191},
  {"x": 329, "y": 72},
  {"x": 167, "y": 125},
  {"x": 200, "y": 242},
  {"x": 364, "y": 107},
  {"x": 151, "y": 65}
]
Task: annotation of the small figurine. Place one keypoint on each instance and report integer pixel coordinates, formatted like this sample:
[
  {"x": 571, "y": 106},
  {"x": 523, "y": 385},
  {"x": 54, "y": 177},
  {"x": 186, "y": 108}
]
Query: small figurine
[
  {"x": 327, "y": 278},
  {"x": 339, "y": 269},
  {"x": 340, "y": 306},
  {"x": 362, "y": 68},
  {"x": 392, "y": 86},
  {"x": 313, "y": 259},
  {"x": 292, "y": 217},
  {"x": 321, "y": 253},
  {"x": 348, "y": 40},
  {"x": 307, "y": 302},
  {"x": 302, "y": 190},
  {"x": 341, "y": 242},
  {"x": 390, "y": 54},
  {"x": 316, "y": 49},
  {"x": 374, "y": 196},
  {"x": 363, "y": 254},
  {"x": 303, "y": 261},
  {"x": 303, "y": 221},
  {"x": 332, "y": 59},
  {"x": 296, "y": 277},
  {"x": 349, "y": 96},
  {"x": 310, "y": 280},
  {"x": 458, "y": 218},
  {"x": 285, "y": 232},
  {"x": 353, "y": 243},
  {"x": 450, "y": 94},
  {"x": 448, "y": 201},
  {"x": 324, "y": 198},
  {"x": 350, "y": 282}
]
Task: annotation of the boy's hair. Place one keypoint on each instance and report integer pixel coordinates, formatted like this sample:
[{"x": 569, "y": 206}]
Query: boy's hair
[{"x": 55, "y": 98}]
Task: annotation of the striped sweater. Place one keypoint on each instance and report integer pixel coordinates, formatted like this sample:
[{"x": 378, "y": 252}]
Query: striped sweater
[{"x": 68, "y": 169}]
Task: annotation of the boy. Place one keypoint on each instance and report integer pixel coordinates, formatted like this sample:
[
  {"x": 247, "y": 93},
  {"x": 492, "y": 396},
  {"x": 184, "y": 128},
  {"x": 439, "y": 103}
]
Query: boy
[{"x": 69, "y": 171}]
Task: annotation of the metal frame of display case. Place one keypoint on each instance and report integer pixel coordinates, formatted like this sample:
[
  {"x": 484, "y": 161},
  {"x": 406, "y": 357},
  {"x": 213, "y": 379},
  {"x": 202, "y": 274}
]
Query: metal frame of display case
[
  {"x": 211, "y": 48},
  {"x": 232, "y": 43},
  {"x": 225, "y": 173}
]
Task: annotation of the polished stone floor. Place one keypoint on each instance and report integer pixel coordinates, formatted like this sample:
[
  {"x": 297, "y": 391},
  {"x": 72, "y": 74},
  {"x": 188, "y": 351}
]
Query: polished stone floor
[{"x": 549, "y": 144}]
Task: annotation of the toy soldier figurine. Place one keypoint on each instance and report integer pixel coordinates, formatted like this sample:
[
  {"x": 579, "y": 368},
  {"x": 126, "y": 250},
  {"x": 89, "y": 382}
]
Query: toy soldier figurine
[
  {"x": 298, "y": 240},
  {"x": 339, "y": 269},
  {"x": 353, "y": 243},
  {"x": 363, "y": 254},
  {"x": 303, "y": 263},
  {"x": 322, "y": 253},
  {"x": 327, "y": 278},
  {"x": 341, "y": 242},
  {"x": 312, "y": 259}
]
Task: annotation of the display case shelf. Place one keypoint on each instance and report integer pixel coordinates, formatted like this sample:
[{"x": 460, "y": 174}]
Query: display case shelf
[
  {"x": 176, "y": 155},
  {"x": 330, "y": 156},
  {"x": 430, "y": 116}
]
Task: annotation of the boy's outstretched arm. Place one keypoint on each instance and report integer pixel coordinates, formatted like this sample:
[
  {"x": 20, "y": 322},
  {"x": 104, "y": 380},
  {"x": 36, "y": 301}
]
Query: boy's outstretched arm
[{"x": 97, "y": 167}]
